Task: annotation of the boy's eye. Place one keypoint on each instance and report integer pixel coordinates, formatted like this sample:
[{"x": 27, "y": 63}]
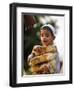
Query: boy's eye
[
  {"x": 47, "y": 35},
  {"x": 42, "y": 35}
]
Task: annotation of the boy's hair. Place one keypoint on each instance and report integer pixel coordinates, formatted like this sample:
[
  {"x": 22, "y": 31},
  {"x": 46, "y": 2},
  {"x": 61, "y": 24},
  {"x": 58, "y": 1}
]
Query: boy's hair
[{"x": 49, "y": 28}]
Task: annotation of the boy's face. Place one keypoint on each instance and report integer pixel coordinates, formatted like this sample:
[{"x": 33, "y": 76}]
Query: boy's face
[{"x": 46, "y": 37}]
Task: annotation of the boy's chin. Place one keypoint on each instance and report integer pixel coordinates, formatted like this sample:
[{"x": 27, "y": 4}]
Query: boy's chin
[{"x": 47, "y": 44}]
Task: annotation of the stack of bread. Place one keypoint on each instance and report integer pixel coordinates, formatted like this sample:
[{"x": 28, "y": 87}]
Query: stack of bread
[{"x": 43, "y": 61}]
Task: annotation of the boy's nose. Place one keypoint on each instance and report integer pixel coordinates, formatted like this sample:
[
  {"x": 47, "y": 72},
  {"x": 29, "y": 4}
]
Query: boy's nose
[{"x": 44, "y": 38}]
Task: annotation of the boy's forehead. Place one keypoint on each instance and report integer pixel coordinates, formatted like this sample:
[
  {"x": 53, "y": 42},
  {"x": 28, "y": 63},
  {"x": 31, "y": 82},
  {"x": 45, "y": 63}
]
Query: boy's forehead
[{"x": 44, "y": 31}]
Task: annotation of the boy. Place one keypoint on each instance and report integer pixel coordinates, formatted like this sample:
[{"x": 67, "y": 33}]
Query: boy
[{"x": 44, "y": 59}]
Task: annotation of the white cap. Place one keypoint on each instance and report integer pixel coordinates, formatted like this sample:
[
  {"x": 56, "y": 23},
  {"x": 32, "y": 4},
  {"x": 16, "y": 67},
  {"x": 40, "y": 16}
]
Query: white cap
[{"x": 51, "y": 27}]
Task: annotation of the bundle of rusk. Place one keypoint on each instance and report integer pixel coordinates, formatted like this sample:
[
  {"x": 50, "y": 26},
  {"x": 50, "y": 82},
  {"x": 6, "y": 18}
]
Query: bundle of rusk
[{"x": 47, "y": 56}]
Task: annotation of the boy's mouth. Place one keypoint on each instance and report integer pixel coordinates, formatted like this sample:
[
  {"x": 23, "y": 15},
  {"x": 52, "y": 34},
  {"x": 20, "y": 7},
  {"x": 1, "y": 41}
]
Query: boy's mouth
[{"x": 44, "y": 41}]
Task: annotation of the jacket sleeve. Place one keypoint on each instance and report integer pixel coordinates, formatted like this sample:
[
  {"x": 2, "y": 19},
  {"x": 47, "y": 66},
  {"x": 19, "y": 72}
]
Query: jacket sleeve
[{"x": 57, "y": 64}]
